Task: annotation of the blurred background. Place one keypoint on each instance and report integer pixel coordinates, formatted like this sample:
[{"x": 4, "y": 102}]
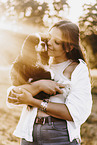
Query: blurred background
[{"x": 18, "y": 18}]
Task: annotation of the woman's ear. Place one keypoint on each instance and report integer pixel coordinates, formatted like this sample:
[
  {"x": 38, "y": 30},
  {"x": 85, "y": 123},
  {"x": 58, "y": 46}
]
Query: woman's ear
[{"x": 69, "y": 48}]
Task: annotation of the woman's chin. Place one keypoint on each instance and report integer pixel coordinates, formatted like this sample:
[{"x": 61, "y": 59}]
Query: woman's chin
[{"x": 50, "y": 54}]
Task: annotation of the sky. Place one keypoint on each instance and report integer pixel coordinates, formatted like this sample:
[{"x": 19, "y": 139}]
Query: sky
[{"x": 76, "y": 8}]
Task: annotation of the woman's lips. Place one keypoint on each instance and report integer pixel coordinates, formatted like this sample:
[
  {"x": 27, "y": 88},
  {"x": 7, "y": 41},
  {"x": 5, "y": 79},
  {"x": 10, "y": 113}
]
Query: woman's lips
[{"x": 50, "y": 48}]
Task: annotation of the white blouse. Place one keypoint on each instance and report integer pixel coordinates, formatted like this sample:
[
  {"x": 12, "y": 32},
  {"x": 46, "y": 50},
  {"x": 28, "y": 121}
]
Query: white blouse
[{"x": 76, "y": 96}]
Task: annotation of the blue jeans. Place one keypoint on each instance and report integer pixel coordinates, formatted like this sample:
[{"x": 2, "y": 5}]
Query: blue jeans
[{"x": 52, "y": 133}]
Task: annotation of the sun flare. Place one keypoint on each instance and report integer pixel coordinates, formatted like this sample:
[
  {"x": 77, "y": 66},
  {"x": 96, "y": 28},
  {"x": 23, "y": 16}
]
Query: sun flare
[{"x": 3, "y": 1}]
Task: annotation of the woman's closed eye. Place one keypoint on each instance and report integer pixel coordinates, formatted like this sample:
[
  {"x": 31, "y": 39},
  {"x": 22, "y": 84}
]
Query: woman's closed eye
[{"x": 58, "y": 43}]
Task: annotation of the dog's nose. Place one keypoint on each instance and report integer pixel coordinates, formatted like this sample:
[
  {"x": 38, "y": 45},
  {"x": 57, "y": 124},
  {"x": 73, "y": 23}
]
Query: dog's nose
[{"x": 41, "y": 46}]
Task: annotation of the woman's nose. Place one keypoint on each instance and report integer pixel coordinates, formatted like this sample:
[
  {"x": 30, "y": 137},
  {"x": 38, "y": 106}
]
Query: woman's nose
[{"x": 49, "y": 42}]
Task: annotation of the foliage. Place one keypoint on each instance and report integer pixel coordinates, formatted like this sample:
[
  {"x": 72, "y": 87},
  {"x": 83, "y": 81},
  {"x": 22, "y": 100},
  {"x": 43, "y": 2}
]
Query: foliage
[
  {"x": 88, "y": 33},
  {"x": 34, "y": 11},
  {"x": 88, "y": 22}
]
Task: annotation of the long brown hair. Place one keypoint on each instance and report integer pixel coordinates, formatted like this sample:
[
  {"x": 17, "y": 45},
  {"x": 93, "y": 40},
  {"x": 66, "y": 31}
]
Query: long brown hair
[{"x": 70, "y": 34}]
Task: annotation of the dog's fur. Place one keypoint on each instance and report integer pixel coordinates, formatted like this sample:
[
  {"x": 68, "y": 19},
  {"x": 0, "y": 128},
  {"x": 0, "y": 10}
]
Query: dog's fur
[{"x": 26, "y": 69}]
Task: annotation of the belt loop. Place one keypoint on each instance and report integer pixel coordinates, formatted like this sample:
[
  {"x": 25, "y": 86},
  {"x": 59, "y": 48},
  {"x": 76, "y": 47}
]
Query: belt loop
[
  {"x": 49, "y": 120},
  {"x": 36, "y": 120},
  {"x": 78, "y": 140},
  {"x": 43, "y": 120}
]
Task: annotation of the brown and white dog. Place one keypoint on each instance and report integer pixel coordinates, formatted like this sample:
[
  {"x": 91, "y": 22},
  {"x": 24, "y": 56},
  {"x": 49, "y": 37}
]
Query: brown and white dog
[{"x": 26, "y": 68}]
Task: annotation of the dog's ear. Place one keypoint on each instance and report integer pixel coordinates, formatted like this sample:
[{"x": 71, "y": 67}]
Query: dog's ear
[
  {"x": 28, "y": 48},
  {"x": 29, "y": 44},
  {"x": 44, "y": 58}
]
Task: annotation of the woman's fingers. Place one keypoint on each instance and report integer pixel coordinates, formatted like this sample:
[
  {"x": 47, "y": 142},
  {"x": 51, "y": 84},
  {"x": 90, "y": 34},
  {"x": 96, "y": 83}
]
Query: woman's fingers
[
  {"x": 12, "y": 100},
  {"x": 53, "y": 91},
  {"x": 17, "y": 95},
  {"x": 20, "y": 96},
  {"x": 14, "y": 96},
  {"x": 11, "y": 93},
  {"x": 59, "y": 90},
  {"x": 53, "y": 88},
  {"x": 61, "y": 85}
]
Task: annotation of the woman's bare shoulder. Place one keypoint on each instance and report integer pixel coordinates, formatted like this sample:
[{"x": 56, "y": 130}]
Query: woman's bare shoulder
[{"x": 68, "y": 71}]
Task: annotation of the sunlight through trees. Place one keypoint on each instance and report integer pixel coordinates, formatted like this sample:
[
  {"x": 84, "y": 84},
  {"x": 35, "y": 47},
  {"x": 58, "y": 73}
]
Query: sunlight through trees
[{"x": 37, "y": 12}]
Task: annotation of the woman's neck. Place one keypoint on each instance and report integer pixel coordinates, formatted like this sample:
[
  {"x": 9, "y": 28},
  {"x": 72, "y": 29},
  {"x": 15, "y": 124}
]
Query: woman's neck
[{"x": 58, "y": 60}]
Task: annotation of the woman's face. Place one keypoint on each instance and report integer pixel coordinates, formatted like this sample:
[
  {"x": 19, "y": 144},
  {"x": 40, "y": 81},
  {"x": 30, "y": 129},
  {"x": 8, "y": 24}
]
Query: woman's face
[{"x": 55, "y": 48}]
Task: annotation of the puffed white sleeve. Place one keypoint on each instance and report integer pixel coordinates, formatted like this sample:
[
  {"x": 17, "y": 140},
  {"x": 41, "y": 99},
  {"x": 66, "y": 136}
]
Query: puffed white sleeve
[{"x": 79, "y": 100}]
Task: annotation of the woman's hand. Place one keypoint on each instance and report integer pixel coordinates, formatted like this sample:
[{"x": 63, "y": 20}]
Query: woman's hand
[
  {"x": 50, "y": 87},
  {"x": 20, "y": 96}
]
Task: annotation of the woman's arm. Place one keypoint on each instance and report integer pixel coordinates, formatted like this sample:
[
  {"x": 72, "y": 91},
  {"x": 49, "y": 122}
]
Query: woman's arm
[
  {"x": 22, "y": 96},
  {"x": 54, "y": 109},
  {"x": 33, "y": 88},
  {"x": 57, "y": 110},
  {"x": 47, "y": 86}
]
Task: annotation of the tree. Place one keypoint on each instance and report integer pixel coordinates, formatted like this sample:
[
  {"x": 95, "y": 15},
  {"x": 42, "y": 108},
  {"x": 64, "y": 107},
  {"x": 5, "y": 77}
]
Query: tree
[
  {"x": 88, "y": 26},
  {"x": 32, "y": 11},
  {"x": 56, "y": 11}
]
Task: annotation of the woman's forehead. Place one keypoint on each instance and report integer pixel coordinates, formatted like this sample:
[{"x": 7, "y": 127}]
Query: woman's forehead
[{"x": 56, "y": 33}]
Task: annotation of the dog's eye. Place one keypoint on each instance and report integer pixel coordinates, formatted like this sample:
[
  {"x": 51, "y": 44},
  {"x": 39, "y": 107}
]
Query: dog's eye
[{"x": 43, "y": 44}]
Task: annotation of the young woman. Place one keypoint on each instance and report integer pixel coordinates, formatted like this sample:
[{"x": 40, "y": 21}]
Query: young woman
[{"x": 57, "y": 121}]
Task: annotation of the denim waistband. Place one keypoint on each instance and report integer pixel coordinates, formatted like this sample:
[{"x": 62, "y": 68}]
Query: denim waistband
[{"x": 49, "y": 119}]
